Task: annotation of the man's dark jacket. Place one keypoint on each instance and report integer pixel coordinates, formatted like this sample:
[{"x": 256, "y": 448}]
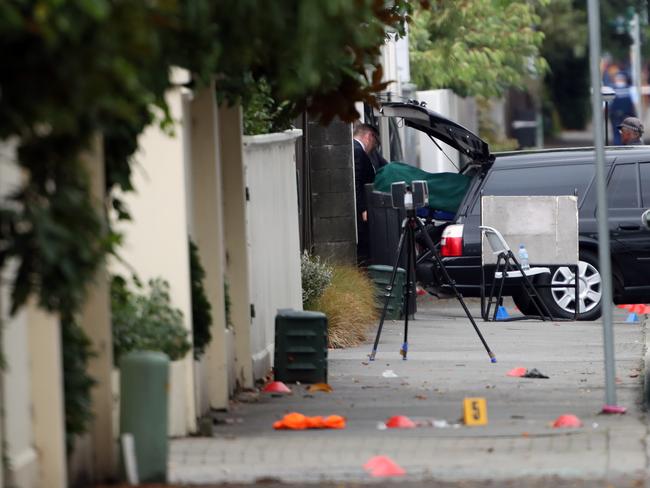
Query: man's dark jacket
[
  {"x": 365, "y": 169},
  {"x": 364, "y": 173}
]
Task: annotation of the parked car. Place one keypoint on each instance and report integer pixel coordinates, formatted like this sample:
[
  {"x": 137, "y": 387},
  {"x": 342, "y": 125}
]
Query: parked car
[{"x": 544, "y": 172}]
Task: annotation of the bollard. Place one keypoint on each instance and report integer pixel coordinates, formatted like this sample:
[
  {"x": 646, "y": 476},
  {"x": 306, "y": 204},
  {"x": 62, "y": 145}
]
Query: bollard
[{"x": 144, "y": 385}]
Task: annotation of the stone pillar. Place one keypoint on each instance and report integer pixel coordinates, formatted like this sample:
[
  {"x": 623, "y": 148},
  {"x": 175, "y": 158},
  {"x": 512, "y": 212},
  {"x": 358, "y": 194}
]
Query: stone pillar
[
  {"x": 208, "y": 232},
  {"x": 96, "y": 322},
  {"x": 332, "y": 191},
  {"x": 48, "y": 409},
  {"x": 236, "y": 239}
]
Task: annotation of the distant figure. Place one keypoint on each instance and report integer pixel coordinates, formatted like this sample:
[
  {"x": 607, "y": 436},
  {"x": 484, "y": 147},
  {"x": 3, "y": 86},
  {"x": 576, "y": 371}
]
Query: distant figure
[
  {"x": 366, "y": 140},
  {"x": 631, "y": 130},
  {"x": 622, "y": 106}
]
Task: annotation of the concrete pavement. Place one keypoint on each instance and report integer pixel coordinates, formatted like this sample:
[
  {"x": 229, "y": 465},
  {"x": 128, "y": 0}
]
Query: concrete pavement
[{"x": 446, "y": 364}]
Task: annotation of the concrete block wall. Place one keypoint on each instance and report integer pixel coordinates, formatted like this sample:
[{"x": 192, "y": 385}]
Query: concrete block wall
[{"x": 332, "y": 191}]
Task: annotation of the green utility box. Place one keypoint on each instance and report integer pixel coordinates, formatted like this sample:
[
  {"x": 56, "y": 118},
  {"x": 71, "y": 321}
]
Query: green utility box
[
  {"x": 380, "y": 275},
  {"x": 144, "y": 389},
  {"x": 300, "y": 347}
]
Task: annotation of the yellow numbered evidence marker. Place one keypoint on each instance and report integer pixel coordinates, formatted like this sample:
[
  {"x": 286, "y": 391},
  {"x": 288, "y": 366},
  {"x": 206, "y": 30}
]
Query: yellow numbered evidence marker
[{"x": 475, "y": 411}]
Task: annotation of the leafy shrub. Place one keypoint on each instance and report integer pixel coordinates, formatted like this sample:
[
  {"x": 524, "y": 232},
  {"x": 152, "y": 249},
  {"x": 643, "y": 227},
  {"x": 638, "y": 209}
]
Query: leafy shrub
[
  {"x": 316, "y": 276},
  {"x": 144, "y": 320},
  {"x": 349, "y": 303},
  {"x": 201, "y": 309},
  {"x": 262, "y": 113}
]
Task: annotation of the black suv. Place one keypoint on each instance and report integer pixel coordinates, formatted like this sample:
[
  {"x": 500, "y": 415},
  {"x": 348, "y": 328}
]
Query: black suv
[{"x": 545, "y": 172}]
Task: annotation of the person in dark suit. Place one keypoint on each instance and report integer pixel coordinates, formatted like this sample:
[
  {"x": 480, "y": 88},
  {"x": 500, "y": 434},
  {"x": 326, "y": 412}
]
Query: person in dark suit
[{"x": 366, "y": 141}]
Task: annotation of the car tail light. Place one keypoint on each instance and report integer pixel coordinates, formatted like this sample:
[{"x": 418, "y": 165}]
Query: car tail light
[{"x": 451, "y": 242}]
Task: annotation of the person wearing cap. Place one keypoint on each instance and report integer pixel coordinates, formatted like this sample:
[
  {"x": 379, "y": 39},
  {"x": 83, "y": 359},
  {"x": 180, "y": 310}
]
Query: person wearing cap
[{"x": 631, "y": 130}]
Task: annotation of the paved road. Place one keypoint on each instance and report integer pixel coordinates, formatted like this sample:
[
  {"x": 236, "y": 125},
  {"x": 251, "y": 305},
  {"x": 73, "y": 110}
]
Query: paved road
[{"x": 446, "y": 363}]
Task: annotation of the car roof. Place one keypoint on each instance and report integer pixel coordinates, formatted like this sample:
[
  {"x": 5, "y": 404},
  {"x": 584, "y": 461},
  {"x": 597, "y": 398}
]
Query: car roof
[{"x": 565, "y": 155}]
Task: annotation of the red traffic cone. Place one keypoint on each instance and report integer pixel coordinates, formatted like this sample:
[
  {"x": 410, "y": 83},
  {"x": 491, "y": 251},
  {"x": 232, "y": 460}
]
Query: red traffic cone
[
  {"x": 400, "y": 422},
  {"x": 567, "y": 421},
  {"x": 637, "y": 308},
  {"x": 517, "y": 372},
  {"x": 276, "y": 387},
  {"x": 383, "y": 466}
]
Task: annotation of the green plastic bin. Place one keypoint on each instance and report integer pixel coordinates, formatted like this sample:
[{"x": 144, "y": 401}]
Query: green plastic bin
[
  {"x": 144, "y": 390},
  {"x": 300, "y": 347},
  {"x": 380, "y": 275}
]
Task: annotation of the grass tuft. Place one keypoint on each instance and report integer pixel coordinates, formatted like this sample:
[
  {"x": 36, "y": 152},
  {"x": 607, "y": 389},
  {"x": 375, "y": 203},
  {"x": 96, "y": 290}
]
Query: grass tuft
[{"x": 349, "y": 303}]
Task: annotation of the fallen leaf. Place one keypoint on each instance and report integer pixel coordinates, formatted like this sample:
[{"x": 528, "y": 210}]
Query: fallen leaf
[
  {"x": 421, "y": 397},
  {"x": 320, "y": 387}
]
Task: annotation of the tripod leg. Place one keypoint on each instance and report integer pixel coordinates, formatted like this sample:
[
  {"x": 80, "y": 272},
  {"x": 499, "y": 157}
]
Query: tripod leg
[
  {"x": 389, "y": 289},
  {"x": 408, "y": 289},
  {"x": 451, "y": 282}
]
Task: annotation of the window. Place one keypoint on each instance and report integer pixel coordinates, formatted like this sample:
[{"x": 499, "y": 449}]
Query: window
[
  {"x": 645, "y": 184},
  {"x": 622, "y": 190},
  {"x": 538, "y": 180}
]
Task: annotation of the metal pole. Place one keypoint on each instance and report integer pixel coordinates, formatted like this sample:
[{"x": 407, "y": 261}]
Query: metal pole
[
  {"x": 603, "y": 228},
  {"x": 607, "y": 124},
  {"x": 635, "y": 55}
]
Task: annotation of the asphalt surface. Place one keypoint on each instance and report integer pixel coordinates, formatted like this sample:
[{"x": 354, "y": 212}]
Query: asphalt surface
[{"x": 446, "y": 363}]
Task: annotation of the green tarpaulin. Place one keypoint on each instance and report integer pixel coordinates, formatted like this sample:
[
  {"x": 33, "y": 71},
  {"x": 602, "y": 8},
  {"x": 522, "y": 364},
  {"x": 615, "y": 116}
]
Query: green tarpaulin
[{"x": 446, "y": 190}]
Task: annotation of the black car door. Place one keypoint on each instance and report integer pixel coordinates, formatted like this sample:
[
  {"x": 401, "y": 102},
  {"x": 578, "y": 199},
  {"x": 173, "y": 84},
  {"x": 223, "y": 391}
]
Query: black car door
[{"x": 628, "y": 194}]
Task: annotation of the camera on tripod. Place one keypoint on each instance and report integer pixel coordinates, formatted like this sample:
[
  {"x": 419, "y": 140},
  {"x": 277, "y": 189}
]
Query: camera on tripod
[{"x": 409, "y": 197}]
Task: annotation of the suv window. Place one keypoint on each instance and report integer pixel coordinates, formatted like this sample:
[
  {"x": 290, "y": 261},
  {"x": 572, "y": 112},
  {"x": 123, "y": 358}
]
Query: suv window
[
  {"x": 538, "y": 180},
  {"x": 622, "y": 189},
  {"x": 645, "y": 184}
]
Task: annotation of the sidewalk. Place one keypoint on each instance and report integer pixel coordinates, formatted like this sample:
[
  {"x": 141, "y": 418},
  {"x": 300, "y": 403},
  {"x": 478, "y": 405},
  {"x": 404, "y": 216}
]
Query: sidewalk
[{"x": 446, "y": 363}]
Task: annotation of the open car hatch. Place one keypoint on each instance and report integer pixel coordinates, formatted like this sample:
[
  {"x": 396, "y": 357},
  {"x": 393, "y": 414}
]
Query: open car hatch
[{"x": 439, "y": 127}]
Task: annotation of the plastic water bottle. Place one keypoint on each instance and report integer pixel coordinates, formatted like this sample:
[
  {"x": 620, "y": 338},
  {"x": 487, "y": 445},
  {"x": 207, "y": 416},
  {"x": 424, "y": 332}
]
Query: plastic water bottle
[{"x": 523, "y": 257}]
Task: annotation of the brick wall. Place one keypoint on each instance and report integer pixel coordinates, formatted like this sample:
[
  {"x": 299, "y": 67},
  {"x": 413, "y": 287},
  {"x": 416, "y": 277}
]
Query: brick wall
[{"x": 332, "y": 191}]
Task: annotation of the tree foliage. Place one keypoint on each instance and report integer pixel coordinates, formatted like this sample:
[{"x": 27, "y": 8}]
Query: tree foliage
[
  {"x": 475, "y": 47},
  {"x": 73, "y": 69}
]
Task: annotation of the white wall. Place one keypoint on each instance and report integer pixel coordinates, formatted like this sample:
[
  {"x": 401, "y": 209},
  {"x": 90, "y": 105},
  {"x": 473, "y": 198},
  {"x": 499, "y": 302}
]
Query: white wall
[
  {"x": 462, "y": 111},
  {"x": 16, "y": 429},
  {"x": 156, "y": 245},
  {"x": 274, "y": 251}
]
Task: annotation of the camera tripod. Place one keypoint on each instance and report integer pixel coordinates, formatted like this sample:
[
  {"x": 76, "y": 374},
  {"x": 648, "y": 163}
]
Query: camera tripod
[{"x": 407, "y": 238}]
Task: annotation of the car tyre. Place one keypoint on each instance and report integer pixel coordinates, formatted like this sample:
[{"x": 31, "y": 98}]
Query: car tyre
[{"x": 560, "y": 301}]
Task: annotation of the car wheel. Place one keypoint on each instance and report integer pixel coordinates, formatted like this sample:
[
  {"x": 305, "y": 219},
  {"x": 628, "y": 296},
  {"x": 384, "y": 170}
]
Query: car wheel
[{"x": 560, "y": 300}]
